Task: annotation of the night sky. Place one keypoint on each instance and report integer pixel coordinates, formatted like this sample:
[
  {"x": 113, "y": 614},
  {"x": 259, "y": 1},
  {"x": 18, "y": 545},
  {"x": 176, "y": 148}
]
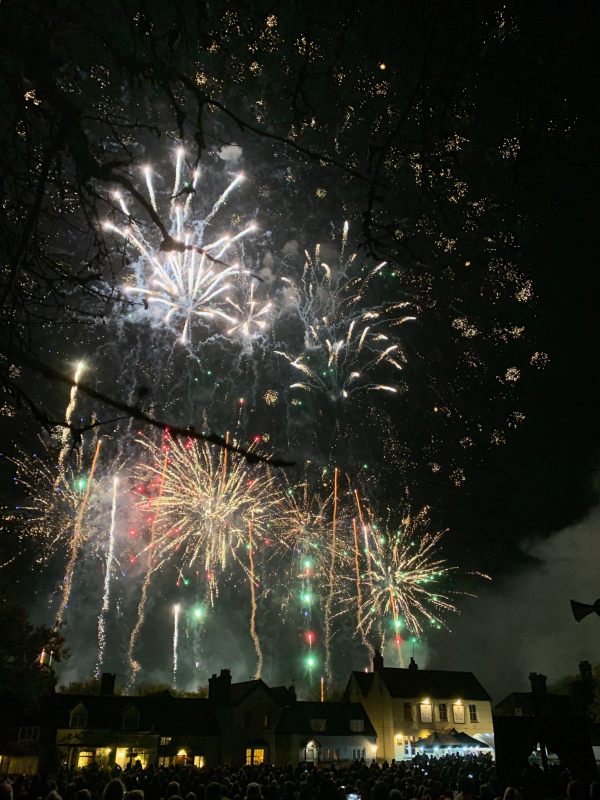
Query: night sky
[{"x": 460, "y": 143}]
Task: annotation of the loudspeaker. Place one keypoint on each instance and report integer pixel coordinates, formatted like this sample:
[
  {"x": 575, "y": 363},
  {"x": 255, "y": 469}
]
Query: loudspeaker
[{"x": 582, "y": 610}]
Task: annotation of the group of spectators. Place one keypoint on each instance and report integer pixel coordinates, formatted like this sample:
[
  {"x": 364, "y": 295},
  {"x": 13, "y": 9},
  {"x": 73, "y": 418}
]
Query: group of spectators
[{"x": 423, "y": 778}]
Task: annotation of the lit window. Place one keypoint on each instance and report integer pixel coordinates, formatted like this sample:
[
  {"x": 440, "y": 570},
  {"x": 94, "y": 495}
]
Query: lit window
[
  {"x": 357, "y": 725},
  {"x": 85, "y": 758},
  {"x": 29, "y": 734},
  {"x": 407, "y": 712},
  {"x": 255, "y": 756},
  {"x": 199, "y": 761},
  {"x": 426, "y": 712},
  {"x": 443, "y": 709},
  {"x": 165, "y": 740},
  {"x": 458, "y": 710},
  {"x": 317, "y": 725},
  {"x": 472, "y": 712}
]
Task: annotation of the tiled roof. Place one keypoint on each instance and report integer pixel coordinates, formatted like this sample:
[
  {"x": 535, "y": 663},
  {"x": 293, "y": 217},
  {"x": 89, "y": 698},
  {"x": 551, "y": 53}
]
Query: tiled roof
[
  {"x": 161, "y": 713},
  {"x": 296, "y": 719},
  {"x": 419, "y": 683}
]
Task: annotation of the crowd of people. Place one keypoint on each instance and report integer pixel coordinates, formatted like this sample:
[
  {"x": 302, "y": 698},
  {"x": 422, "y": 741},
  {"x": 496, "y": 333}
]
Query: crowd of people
[{"x": 423, "y": 778}]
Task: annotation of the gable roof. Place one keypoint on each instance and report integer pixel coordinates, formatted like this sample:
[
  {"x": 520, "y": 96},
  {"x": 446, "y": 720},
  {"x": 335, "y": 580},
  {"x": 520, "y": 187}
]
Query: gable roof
[
  {"x": 419, "y": 683},
  {"x": 548, "y": 703},
  {"x": 159, "y": 713},
  {"x": 296, "y": 719}
]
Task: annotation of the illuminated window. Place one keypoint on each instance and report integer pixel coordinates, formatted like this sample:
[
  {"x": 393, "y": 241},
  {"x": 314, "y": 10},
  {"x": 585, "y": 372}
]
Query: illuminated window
[
  {"x": 357, "y": 725},
  {"x": 458, "y": 710},
  {"x": 199, "y": 761},
  {"x": 78, "y": 717},
  {"x": 317, "y": 725},
  {"x": 443, "y": 708},
  {"x": 85, "y": 758},
  {"x": 472, "y": 712},
  {"x": 329, "y": 754},
  {"x": 255, "y": 756},
  {"x": 407, "y": 712},
  {"x": 165, "y": 740},
  {"x": 426, "y": 712}
]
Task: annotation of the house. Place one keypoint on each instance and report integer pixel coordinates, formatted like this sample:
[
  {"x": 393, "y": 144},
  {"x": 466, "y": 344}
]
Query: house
[
  {"x": 157, "y": 729},
  {"x": 326, "y": 732},
  {"x": 247, "y": 714},
  {"x": 239, "y": 723},
  {"x": 406, "y": 705},
  {"x": 545, "y": 726}
]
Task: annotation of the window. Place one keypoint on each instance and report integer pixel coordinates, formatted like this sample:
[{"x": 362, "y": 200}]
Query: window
[
  {"x": 85, "y": 758},
  {"x": 329, "y": 754},
  {"x": 407, "y": 712},
  {"x": 266, "y": 721},
  {"x": 317, "y": 725},
  {"x": 426, "y": 712},
  {"x": 199, "y": 761},
  {"x": 131, "y": 719},
  {"x": 443, "y": 709},
  {"x": 458, "y": 710},
  {"x": 165, "y": 740},
  {"x": 29, "y": 734},
  {"x": 472, "y": 712},
  {"x": 164, "y": 761},
  {"x": 255, "y": 756},
  {"x": 247, "y": 719},
  {"x": 357, "y": 725},
  {"x": 78, "y": 717},
  {"x": 358, "y": 754}
]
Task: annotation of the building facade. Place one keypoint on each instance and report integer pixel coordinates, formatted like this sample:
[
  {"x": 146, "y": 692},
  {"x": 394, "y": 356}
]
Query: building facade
[
  {"x": 238, "y": 723},
  {"x": 408, "y": 705}
]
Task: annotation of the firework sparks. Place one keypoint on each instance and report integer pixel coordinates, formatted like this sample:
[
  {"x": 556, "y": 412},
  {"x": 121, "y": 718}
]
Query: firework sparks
[
  {"x": 345, "y": 341},
  {"x": 107, "y": 582},
  {"x": 404, "y": 570},
  {"x": 76, "y": 541},
  {"x": 189, "y": 280},
  {"x": 176, "y": 610},
  {"x": 205, "y": 501}
]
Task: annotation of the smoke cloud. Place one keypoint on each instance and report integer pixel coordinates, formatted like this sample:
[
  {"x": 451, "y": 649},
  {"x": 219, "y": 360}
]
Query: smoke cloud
[{"x": 523, "y": 623}]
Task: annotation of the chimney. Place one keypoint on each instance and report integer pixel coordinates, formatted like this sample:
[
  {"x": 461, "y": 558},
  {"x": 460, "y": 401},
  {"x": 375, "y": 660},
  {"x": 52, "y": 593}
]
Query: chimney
[
  {"x": 219, "y": 687},
  {"x": 585, "y": 670},
  {"x": 107, "y": 683},
  {"x": 413, "y": 664},
  {"x": 377, "y": 662},
  {"x": 538, "y": 684}
]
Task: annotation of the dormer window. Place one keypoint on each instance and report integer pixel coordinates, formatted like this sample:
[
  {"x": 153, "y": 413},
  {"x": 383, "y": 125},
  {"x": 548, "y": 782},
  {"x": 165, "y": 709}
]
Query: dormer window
[
  {"x": 131, "y": 719},
  {"x": 357, "y": 725},
  {"x": 317, "y": 725},
  {"x": 78, "y": 717}
]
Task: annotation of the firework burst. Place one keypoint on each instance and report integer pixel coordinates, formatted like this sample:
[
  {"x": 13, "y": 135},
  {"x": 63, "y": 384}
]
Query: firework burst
[
  {"x": 205, "y": 500},
  {"x": 346, "y": 340},
  {"x": 189, "y": 279},
  {"x": 402, "y": 573}
]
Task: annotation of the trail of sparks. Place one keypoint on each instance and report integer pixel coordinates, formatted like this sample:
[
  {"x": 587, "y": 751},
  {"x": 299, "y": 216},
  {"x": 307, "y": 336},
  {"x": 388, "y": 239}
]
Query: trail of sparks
[
  {"x": 65, "y": 436},
  {"x": 329, "y": 602},
  {"x": 253, "y": 633},
  {"x": 135, "y": 666},
  {"x": 176, "y": 609},
  {"x": 107, "y": 581},
  {"x": 76, "y": 542}
]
